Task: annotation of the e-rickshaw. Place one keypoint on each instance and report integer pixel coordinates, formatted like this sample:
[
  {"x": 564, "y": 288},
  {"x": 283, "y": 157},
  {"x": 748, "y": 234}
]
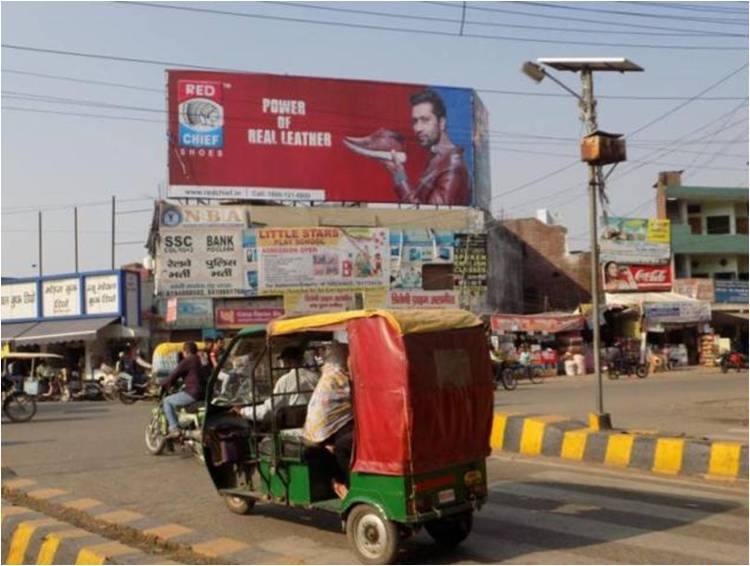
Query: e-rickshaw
[{"x": 416, "y": 376}]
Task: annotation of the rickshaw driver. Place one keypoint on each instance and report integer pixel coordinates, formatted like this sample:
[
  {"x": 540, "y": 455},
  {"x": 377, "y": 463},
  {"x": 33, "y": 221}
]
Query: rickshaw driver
[
  {"x": 189, "y": 369},
  {"x": 329, "y": 414},
  {"x": 287, "y": 392}
]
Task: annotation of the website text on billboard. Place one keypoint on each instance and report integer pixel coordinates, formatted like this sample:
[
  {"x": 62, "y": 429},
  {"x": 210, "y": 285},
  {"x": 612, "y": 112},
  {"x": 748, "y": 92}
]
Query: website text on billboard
[{"x": 270, "y": 137}]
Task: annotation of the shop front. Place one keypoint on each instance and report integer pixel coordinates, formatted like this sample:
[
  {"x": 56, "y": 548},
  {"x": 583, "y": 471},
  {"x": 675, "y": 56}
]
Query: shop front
[
  {"x": 88, "y": 318},
  {"x": 670, "y": 324},
  {"x": 547, "y": 337}
]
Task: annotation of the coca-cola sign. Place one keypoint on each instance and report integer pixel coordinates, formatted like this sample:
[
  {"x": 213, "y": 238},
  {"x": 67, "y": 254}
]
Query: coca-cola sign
[{"x": 622, "y": 277}]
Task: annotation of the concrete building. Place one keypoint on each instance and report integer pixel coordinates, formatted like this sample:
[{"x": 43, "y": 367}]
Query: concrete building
[
  {"x": 709, "y": 228},
  {"x": 554, "y": 279},
  {"x": 222, "y": 267},
  {"x": 710, "y": 248}
]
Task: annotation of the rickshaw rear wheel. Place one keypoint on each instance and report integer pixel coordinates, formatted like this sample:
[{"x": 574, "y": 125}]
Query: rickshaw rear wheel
[
  {"x": 374, "y": 539},
  {"x": 452, "y": 530},
  {"x": 239, "y": 505}
]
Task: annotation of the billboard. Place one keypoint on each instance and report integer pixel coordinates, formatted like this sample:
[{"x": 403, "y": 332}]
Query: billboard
[
  {"x": 300, "y": 259},
  {"x": 200, "y": 262},
  {"x": 677, "y": 312},
  {"x": 617, "y": 277},
  {"x": 273, "y": 137},
  {"x": 635, "y": 240},
  {"x": 19, "y": 301},
  {"x": 728, "y": 291}
]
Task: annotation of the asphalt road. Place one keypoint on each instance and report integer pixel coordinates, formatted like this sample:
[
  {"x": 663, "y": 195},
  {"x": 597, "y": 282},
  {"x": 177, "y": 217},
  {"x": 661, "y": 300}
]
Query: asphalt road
[
  {"x": 696, "y": 402},
  {"x": 540, "y": 511}
]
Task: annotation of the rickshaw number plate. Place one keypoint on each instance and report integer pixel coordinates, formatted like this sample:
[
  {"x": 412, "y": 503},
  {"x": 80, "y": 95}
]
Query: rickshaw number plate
[{"x": 446, "y": 496}]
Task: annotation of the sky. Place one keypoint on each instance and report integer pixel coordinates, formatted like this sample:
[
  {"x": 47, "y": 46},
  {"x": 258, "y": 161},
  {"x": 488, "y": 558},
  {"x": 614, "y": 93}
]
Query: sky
[{"x": 78, "y": 130}]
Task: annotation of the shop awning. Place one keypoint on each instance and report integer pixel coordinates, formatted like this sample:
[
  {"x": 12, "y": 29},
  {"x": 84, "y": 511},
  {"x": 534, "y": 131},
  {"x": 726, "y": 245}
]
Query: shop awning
[
  {"x": 11, "y": 330},
  {"x": 50, "y": 331},
  {"x": 551, "y": 323},
  {"x": 664, "y": 307}
]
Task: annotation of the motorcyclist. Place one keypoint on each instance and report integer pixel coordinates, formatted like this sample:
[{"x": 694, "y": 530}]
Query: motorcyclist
[
  {"x": 191, "y": 371},
  {"x": 130, "y": 367}
]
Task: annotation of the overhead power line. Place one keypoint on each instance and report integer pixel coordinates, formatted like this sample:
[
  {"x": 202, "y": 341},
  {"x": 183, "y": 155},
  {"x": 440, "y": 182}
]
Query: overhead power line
[
  {"x": 610, "y": 22},
  {"x": 692, "y": 8},
  {"x": 350, "y": 25},
  {"x": 701, "y": 20},
  {"x": 645, "y": 98},
  {"x": 424, "y": 18}
]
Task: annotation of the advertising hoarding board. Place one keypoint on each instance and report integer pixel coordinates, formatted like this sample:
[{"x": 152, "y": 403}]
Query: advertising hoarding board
[
  {"x": 551, "y": 324},
  {"x": 19, "y": 301},
  {"x": 411, "y": 249},
  {"x": 635, "y": 241},
  {"x": 311, "y": 302},
  {"x": 727, "y": 291},
  {"x": 274, "y": 137},
  {"x": 299, "y": 259},
  {"x": 61, "y": 297},
  {"x": 227, "y": 318},
  {"x": 618, "y": 278},
  {"x": 695, "y": 288},
  {"x": 187, "y": 312},
  {"x": 677, "y": 312},
  {"x": 200, "y": 262},
  {"x": 418, "y": 299},
  {"x": 103, "y": 294}
]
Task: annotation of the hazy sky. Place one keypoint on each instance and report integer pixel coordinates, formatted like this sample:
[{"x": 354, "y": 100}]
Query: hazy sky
[{"x": 53, "y": 157}]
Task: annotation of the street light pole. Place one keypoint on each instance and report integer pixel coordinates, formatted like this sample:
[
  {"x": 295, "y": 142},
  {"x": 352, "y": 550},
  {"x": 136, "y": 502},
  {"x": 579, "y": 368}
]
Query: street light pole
[
  {"x": 588, "y": 111},
  {"x": 587, "y": 103}
]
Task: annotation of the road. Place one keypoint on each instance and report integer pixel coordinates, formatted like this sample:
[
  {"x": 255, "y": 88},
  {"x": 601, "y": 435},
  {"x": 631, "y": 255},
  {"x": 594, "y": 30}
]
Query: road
[
  {"x": 540, "y": 511},
  {"x": 696, "y": 402}
]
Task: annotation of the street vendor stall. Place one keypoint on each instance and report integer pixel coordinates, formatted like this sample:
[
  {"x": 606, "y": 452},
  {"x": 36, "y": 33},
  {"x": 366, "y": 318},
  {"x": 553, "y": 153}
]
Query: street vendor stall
[
  {"x": 669, "y": 322},
  {"x": 546, "y": 335}
]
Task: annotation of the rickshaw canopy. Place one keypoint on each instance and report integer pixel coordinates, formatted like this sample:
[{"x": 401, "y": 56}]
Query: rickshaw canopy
[
  {"x": 30, "y": 356},
  {"x": 421, "y": 386},
  {"x": 403, "y": 321},
  {"x": 168, "y": 348}
]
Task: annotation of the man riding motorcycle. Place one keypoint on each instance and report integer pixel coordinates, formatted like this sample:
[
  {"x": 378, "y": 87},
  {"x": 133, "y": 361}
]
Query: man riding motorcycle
[
  {"x": 129, "y": 367},
  {"x": 191, "y": 370}
]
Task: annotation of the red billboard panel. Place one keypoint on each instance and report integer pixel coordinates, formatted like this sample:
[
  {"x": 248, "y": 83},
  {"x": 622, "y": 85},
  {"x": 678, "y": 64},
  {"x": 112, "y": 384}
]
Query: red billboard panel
[
  {"x": 619, "y": 277},
  {"x": 270, "y": 137}
]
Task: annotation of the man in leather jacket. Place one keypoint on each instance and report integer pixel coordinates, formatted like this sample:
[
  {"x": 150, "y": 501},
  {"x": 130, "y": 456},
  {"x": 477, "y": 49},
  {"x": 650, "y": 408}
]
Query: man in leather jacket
[{"x": 445, "y": 179}]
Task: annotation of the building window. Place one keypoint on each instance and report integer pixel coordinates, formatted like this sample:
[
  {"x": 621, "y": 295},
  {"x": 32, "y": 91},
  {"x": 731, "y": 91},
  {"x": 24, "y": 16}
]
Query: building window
[
  {"x": 724, "y": 275},
  {"x": 742, "y": 276},
  {"x": 437, "y": 276},
  {"x": 673, "y": 211},
  {"x": 694, "y": 209},
  {"x": 700, "y": 275},
  {"x": 717, "y": 224},
  {"x": 742, "y": 225},
  {"x": 695, "y": 225}
]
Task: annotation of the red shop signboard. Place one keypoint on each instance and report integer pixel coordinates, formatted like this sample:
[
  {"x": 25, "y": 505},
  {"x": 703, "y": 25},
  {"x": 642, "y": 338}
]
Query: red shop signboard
[{"x": 618, "y": 277}]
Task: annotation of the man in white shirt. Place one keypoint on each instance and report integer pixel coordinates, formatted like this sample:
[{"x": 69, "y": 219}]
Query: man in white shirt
[{"x": 292, "y": 389}]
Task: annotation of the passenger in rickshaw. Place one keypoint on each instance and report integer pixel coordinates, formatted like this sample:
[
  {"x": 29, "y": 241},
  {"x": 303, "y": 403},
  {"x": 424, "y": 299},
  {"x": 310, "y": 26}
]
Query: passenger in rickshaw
[
  {"x": 293, "y": 389},
  {"x": 329, "y": 423}
]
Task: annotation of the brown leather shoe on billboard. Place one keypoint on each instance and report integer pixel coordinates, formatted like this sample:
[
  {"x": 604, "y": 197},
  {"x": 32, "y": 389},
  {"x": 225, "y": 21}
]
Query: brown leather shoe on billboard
[{"x": 378, "y": 145}]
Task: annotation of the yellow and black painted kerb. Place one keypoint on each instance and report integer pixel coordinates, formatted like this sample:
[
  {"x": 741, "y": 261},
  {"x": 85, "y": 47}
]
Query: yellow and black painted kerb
[
  {"x": 30, "y": 537},
  {"x": 562, "y": 437}
]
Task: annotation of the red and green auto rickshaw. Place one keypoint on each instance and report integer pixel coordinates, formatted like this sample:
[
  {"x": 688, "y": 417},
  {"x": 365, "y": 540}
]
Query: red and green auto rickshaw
[{"x": 416, "y": 376}]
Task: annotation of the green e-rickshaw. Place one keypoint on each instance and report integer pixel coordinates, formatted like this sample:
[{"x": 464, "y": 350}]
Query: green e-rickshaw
[{"x": 415, "y": 376}]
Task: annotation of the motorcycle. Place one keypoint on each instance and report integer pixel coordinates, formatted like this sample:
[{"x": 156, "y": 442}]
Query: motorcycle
[
  {"x": 18, "y": 406},
  {"x": 625, "y": 366},
  {"x": 139, "y": 390},
  {"x": 190, "y": 419},
  {"x": 732, "y": 360}
]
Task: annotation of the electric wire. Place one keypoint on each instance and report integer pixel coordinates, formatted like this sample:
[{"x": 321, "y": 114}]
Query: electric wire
[
  {"x": 350, "y": 25},
  {"x": 421, "y": 17}
]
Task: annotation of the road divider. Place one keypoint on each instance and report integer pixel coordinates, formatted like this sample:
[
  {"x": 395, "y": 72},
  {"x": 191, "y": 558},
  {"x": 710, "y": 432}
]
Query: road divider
[
  {"x": 569, "y": 439},
  {"x": 47, "y": 525}
]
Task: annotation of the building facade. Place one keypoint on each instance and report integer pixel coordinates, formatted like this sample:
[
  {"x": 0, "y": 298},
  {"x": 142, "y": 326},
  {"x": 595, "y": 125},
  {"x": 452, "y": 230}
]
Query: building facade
[{"x": 554, "y": 279}]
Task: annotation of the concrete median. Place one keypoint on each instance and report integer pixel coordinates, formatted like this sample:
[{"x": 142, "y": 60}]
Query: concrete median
[
  {"x": 569, "y": 439},
  {"x": 30, "y": 537}
]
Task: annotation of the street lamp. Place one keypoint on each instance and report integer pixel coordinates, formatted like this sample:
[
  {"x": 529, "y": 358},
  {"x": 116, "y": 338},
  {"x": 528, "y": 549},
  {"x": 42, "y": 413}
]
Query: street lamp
[{"x": 587, "y": 66}]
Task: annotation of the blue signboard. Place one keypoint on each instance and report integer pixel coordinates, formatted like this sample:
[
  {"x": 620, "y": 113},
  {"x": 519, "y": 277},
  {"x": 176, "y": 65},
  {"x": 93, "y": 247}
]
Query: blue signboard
[{"x": 727, "y": 291}]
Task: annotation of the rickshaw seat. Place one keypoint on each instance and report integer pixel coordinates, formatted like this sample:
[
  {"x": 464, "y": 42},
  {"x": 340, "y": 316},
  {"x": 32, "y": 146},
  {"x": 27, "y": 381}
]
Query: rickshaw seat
[
  {"x": 290, "y": 417},
  {"x": 292, "y": 444}
]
